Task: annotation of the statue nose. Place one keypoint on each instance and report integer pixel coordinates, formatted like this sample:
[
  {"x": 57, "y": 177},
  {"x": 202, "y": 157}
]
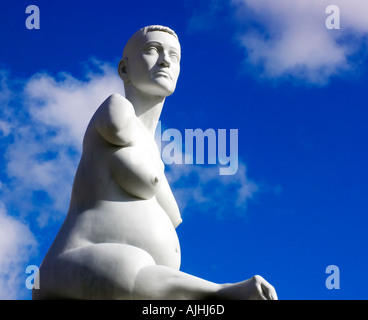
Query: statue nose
[{"x": 165, "y": 60}]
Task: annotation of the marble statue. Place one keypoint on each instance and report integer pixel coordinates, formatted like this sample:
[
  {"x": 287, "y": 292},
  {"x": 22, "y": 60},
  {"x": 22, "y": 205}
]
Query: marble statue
[{"x": 118, "y": 240}]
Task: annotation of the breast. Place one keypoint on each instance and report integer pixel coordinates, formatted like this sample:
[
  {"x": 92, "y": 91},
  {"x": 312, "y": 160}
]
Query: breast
[{"x": 135, "y": 172}]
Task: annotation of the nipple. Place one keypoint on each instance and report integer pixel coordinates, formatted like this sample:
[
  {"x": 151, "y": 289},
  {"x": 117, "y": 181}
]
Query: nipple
[{"x": 155, "y": 181}]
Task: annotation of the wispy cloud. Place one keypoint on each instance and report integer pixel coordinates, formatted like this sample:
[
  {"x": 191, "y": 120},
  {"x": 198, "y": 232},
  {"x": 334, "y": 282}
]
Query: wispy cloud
[
  {"x": 17, "y": 245},
  {"x": 287, "y": 38},
  {"x": 201, "y": 190},
  {"x": 46, "y": 139},
  {"x": 42, "y": 121}
]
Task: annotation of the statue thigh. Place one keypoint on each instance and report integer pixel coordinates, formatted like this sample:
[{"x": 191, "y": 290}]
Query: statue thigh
[{"x": 95, "y": 271}]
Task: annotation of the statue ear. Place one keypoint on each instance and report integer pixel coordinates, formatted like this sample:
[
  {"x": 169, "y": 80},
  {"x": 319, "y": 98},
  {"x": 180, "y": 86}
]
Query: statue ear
[{"x": 122, "y": 69}]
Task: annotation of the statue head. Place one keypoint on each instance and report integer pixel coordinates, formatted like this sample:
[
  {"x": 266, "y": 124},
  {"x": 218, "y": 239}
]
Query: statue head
[{"x": 151, "y": 61}]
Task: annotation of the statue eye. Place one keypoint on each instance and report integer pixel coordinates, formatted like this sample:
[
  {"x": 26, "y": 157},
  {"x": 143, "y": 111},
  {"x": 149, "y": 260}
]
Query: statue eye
[
  {"x": 175, "y": 57},
  {"x": 151, "y": 50}
]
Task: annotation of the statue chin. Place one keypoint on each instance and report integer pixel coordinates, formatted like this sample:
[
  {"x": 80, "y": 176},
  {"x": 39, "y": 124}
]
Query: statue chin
[{"x": 158, "y": 86}]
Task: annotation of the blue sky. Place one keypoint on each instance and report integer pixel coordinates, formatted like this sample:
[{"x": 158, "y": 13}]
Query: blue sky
[{"x": 295, "y": 90}]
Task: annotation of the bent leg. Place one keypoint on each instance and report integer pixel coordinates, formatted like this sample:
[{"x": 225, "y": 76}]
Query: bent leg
[{"x": 96, "y": 271}]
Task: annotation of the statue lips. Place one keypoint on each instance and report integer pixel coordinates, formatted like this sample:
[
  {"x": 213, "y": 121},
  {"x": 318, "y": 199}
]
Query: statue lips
[{"x": 163, "y": 73}]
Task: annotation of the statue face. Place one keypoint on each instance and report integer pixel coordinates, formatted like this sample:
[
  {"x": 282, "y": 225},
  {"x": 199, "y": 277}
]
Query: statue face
[{"x": 154, "y": 64}]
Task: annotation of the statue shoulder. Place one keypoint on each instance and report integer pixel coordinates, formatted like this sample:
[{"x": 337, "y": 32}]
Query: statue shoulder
[
  {"x": 116, "y": 110},
  {"x": 113, "y": 119}
]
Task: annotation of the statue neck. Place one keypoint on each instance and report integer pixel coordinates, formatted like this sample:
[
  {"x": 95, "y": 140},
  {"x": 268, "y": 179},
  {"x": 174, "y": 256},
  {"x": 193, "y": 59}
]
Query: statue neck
[{"x": 147, "y": 107}]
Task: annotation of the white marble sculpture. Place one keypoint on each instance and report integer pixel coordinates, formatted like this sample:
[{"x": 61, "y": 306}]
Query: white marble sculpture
[{"x": 118, "y": 240}]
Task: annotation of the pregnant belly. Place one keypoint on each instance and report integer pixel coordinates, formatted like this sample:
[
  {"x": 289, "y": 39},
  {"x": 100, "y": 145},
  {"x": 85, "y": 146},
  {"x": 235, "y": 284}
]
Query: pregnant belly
[{"x": 142, "y": 223}]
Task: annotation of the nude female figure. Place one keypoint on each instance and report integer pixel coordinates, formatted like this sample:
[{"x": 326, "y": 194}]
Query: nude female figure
[{"x": 118, "y": 240}]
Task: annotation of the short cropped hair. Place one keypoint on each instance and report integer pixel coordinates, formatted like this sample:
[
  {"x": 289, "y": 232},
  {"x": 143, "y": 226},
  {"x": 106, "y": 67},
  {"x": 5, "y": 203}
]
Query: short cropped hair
[{"x": 144, "y": 31}]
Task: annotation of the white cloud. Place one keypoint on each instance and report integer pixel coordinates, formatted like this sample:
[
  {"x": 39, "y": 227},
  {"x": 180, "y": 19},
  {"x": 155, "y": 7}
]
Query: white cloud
[
  {"x": 67, "y": 105},
  {"x": 46, "y": 139},
  {"x": 292, "y": 39},
  {"x": 5, "y": 97},
  {"x": 42, "y": 121},
  {"x": 17, "y": 245},
  {"x": 4, "y": 128}
]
